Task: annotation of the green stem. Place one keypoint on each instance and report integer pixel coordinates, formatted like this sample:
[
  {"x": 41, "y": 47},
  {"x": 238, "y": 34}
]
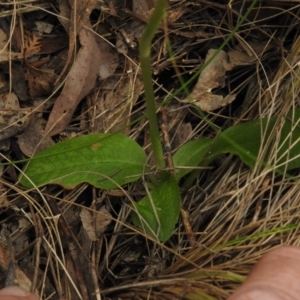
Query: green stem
[{"x": 145, "y": 51}]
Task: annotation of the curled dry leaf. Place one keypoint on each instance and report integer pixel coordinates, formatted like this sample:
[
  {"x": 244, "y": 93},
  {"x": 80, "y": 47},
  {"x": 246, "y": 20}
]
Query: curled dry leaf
[
  {"x": 211, "y": 77},
  {"x": 79, "y": 83},
  {"x": 13, "y": 119},
  {"x": 95, "y": 226},
  {"x": 240, "y": 56},
  {"x": 78, "y": 13}
]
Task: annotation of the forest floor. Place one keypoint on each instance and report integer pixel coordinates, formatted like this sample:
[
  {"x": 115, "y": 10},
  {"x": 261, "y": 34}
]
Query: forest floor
[{"x": 71, "y": 68}]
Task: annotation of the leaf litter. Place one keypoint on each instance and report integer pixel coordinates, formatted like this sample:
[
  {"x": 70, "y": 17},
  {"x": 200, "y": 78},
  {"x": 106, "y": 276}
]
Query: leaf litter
[
  {"x": 80, "y": 81},
  {"x": 100, "y": 92}
]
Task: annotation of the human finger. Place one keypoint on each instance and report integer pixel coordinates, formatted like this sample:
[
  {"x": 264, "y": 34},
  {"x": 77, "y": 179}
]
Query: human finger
[
  {"x": 16, "y": 293},
  {"x": 274, "y": 277}
]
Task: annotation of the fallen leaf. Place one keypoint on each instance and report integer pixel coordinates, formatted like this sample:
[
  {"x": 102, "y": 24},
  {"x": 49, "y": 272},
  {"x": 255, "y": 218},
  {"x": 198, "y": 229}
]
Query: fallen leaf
[
  {"x": 20, "y": 278},
  {"x": 13, "y": 120},
  {"x": 175, "y": 13},
  {"x": 79, "y": 17},
  {"x": 79, "y": 83},
  {"x": 32, "y": 45},
  {"x": 33, "y": 140},
  {"x": 40, "y": 81},
  {"x": 110, "y": 59},
  {"x": 211, "y": 77},
  {"x": 238, "y": 56},
  {"x": 87, "y": 223},
  {"x": 183, "y": 132},
  {"x": 53, "y": 44},
  {"x": 141, "y": 11},
  {"x": 103, "y": 219},
  {"x": 95, "y": 225},
  {"x": 10, "y": 111},
  {"x": 18, "y": 81}
]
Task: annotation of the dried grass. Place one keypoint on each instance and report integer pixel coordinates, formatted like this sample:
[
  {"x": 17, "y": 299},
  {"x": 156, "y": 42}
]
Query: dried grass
[{"x": 237, "y": 214}]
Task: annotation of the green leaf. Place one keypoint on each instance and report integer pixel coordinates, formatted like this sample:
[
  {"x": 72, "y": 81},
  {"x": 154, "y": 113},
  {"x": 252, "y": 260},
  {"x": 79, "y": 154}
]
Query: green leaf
[
  {"x": 158, "y": 213},
  {"x": 190, "y": 155},
  {"x": 247, "y": 139},
  {"x": 93, "y": 158}
]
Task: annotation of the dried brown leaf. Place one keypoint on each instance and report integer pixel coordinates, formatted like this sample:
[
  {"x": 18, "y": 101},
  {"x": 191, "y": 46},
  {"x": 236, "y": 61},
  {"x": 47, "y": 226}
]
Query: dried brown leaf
[
  {"x": 211, "y": 77},
  {"x": 33, "y": 140},
  {"x": 11, "y": 114},
  {"x": 95, "y": 226},
  {"x": 175, "y": 14},
  {"x": 80, "y": 12},
  {"x": 40, "y": 82},
  {"x": 20, "y": 277},
  {"x": 239, "y": 56},
  {"x": 110, "y": 59},
  {"x": 79, "y": 83},
  {"x": 88, "y": 224},
  {"x": 53, "y": 44},
  {"x": 183, "y": 131},
  {"x": 103, "y": 219},
  {"x": 18, "y": 81}
]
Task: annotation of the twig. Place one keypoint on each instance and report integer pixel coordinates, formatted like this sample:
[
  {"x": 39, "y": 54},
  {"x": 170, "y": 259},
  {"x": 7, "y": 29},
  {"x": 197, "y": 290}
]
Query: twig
[{"x": 168, "y": 150}]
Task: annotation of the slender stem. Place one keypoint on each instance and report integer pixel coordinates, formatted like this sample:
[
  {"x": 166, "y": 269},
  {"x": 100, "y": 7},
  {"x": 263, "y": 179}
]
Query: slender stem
[{"x": 145, "y": 51}]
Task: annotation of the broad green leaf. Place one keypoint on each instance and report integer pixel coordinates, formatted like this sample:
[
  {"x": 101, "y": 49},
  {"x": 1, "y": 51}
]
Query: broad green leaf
[
  {"x": 246, "y": 140},
  {"x": 189, "y": 155},
  {"x": 103, "y": 160},
  {"x": 159, "y": 212}
]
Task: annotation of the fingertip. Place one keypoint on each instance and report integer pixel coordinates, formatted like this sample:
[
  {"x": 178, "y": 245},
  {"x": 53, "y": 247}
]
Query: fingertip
[
  {"x": 273, "y": 277},
  {"x": 13, "y": 291}
]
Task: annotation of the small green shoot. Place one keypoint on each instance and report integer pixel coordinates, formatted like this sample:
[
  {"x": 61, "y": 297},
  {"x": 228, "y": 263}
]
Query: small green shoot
[{"x": 145, "y": 58}]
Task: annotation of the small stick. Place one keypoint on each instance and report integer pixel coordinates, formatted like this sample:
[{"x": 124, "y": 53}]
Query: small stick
[{"x": 168, "y": 151}]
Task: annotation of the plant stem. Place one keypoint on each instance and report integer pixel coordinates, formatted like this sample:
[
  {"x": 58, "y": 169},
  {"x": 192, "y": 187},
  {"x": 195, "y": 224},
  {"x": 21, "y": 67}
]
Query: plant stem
[{"x": 145, "y": 50}]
